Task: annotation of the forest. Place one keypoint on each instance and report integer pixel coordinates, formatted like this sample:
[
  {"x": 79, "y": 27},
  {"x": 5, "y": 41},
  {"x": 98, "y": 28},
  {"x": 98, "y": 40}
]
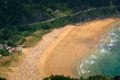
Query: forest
[
  {"x": 95, "y": 77},
  {"x": 17, "y": 17}
]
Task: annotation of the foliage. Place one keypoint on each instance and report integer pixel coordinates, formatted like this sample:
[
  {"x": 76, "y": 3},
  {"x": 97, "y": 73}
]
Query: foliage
[
  {"x": 57, "y": 77},
  {"x": 3, "y": 79},
  {"x": 61, "y": 77},
  {"x": 96, "y": 77},
  {"x": 15, "y": 15},
  {"x": 4, "y": 52}
]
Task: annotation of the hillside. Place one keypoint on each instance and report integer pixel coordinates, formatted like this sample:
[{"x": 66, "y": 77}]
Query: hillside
[{"x": 15, "y": 16}]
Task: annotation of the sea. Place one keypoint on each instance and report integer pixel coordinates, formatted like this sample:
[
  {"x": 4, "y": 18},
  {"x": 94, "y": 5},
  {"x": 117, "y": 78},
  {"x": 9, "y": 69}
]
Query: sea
[{"x": 105, "y": 59}]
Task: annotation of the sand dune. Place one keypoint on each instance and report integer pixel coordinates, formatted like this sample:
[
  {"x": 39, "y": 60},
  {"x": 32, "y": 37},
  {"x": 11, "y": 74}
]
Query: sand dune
[{"x": 59, "y": 51}]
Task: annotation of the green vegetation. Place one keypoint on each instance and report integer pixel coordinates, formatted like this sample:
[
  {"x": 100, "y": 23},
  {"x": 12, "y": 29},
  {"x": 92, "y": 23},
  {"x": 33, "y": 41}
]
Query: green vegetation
[
  {"x": 20, "y": 20},
  {"x": 12, "y": 60},
  {"x": 72, "y": 19},
  {"x": 3, "y": 79},
  {"x": 61, "y": 77},
  {"x": 97, "y": 77},
  {"x": 4, "y": 52},
  {"x": 24, "y": 22},
  {"x": 35, "y": 37},
  {"x": 16, "y": 15}
]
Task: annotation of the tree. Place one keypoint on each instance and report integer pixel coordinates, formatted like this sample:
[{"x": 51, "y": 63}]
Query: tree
[{"x": 3, "y": 79}]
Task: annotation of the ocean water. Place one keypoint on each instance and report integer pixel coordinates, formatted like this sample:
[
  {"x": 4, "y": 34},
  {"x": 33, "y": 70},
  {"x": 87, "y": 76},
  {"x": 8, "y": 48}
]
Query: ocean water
[{"x": 106, "y": 58}]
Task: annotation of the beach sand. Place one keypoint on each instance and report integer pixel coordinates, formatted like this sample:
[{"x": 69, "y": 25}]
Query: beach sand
[
  {"x": 60, "y": 50},
  {"x": 62, "y": 56}
]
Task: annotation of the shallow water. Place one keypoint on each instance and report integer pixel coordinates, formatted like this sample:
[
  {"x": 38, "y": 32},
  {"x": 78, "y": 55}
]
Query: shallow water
[{"x": 106, "y": 58}]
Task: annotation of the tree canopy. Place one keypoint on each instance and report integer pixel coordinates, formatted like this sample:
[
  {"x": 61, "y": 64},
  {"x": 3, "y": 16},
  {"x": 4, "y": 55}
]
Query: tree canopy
[{"x": 15, "y": 15}]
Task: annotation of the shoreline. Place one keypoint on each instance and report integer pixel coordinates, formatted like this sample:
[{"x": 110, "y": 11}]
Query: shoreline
[
  {"x": 51, "y": 59},
  {"x": 103, "y": 40},
  {"x": 39, "y": 59}
]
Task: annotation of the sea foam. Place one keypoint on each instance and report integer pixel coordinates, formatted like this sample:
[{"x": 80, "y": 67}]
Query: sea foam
[{"x": 101, "y": 62}]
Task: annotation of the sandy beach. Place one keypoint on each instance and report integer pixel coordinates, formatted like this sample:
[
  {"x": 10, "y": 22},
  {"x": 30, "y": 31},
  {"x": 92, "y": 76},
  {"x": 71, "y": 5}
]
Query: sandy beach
[
  {"x": 60, "y": 50},
  {"x": 61, "y": 57}
]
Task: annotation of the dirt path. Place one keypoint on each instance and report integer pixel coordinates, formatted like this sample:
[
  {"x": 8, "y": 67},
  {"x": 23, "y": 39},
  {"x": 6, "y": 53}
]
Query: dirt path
[{"x": 61, "y": 46}]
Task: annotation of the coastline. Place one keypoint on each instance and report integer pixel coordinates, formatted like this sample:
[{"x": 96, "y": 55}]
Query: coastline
[
  {"x": 58, "y": 61},
  {"x": 97, "y": 48},
  {"x": 39, "y": 59}
]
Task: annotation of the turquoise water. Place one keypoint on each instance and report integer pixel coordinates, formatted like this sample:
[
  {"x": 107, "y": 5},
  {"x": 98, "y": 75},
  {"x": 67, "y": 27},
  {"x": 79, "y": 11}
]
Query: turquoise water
[{"x": 106, "y": 58}]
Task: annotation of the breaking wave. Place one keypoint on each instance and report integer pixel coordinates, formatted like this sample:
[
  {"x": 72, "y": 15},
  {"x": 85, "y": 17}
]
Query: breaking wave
[{"x": 106, "y": 59}]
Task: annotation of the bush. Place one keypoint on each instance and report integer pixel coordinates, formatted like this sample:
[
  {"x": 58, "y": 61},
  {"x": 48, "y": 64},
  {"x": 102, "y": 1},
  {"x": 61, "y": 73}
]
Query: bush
[
  {"x": 4, "y": 52},
  {"x": 3, "y": 79},
  {"x": 58, "y": 77},
  {"x": 116, "y": 78},
  {"x": 96, "y": 77}
]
